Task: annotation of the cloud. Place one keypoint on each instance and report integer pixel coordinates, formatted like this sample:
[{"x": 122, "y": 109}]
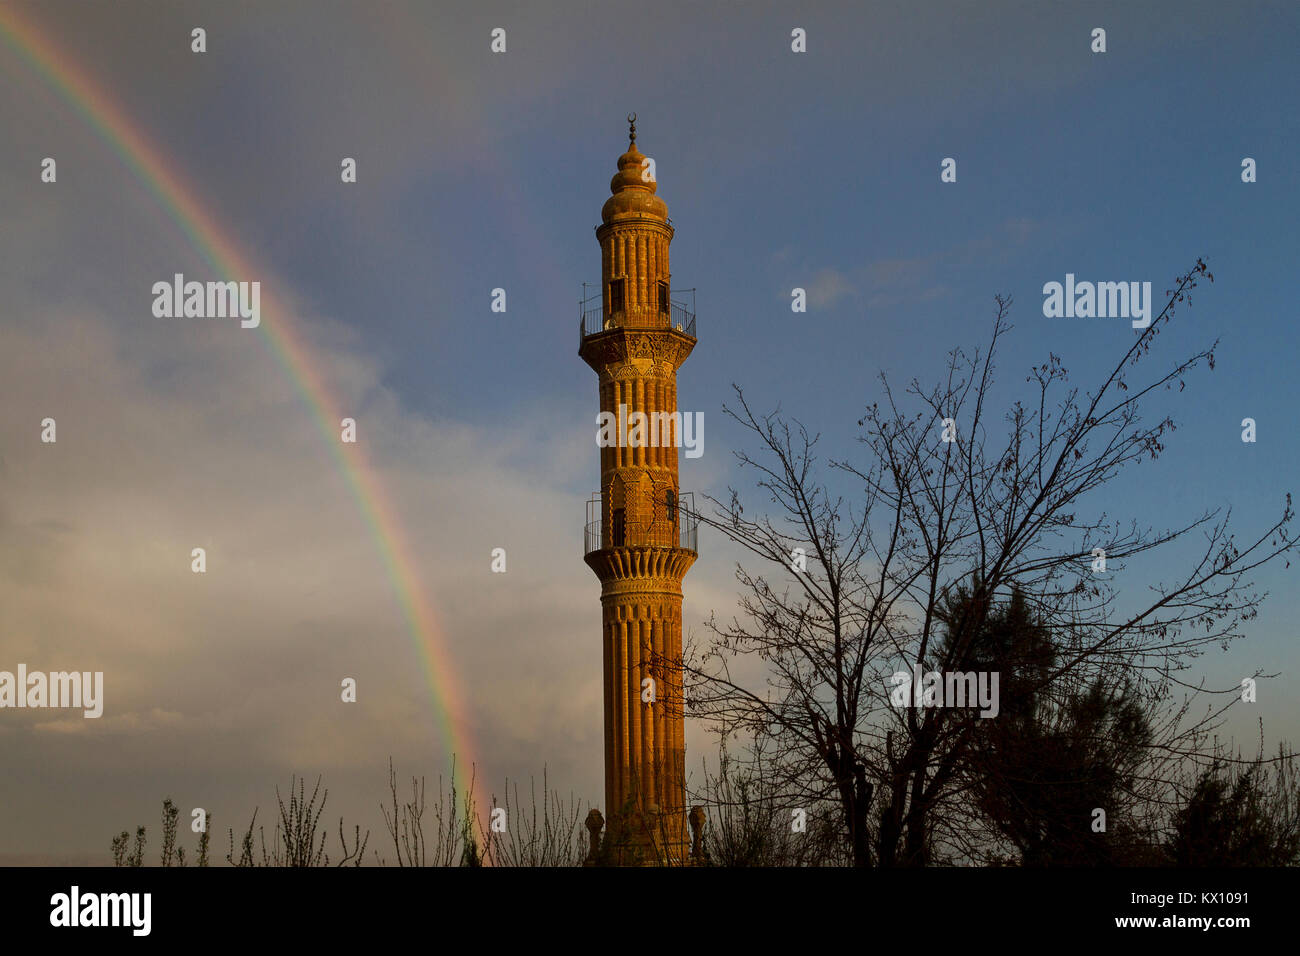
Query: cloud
[
  {"x": 828, "y": 287},
  {"x": 176, "y": 434},
  {"x": 133, "y": 722},
  {"x": 919, "y": 278}
]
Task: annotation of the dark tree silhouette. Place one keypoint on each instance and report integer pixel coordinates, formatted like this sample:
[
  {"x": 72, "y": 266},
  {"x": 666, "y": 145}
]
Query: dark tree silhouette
[
  {"x": 854, "y": 579},
  {"x": 1240, "y": 815}
]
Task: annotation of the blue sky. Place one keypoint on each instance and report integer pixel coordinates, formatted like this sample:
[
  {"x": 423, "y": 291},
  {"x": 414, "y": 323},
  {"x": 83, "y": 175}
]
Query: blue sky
[{"x": 477, "y": 171}]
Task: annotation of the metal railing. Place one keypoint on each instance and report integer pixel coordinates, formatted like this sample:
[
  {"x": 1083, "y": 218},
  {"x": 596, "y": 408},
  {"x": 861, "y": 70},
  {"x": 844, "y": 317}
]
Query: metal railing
[
  {"x": 682, "y": 320},
  {"x": 592, "y": 317},
  {"x": 689, "y": 534},
  {"x": 593, "y": 320},
  {"x": 680, "y": 531}
]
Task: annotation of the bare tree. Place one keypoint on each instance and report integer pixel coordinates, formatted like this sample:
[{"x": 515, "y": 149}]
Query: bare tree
[
  {"x": 1239, "y": 813},
  {"x": 750, "y": 822},
  {"x": 170, "y": 814},
  {"x": 405, "y": 823},
  {"x": 554, "y": 839},
  {"x": 297, "y": 828},
  {"x": 298, "y": 840},
  {"x": 949, "y": 497}
]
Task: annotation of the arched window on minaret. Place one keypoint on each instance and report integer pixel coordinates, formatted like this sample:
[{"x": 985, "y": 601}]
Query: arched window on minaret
[
  {"x": 671, "y": 500},
  {"x": 617, "y": 505},
  {"x": 615, "y": 296}
]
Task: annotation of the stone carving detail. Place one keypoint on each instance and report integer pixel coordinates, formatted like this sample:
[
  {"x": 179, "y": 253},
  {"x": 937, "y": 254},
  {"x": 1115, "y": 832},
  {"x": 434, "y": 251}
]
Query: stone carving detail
[
  {"x": 696, "y": 819},
  {"x": 595, "y": 823}
]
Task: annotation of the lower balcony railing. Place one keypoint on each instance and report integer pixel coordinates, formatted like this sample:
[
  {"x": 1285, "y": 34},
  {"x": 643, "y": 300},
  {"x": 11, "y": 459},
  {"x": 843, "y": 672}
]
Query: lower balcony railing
[{"x": 681, "y": 530}]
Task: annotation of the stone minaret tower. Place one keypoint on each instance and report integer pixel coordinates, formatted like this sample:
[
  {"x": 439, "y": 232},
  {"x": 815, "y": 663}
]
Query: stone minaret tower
[{"x": 640, "y": 535}]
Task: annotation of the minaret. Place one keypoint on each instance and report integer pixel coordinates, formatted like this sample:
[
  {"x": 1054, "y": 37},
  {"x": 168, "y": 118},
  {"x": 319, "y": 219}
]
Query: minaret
[{"x": 640, "y": 535}]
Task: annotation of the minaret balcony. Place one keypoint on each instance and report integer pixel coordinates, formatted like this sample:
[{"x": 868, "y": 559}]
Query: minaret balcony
[
  {"x": 595, "y": 318},
  {"x": 675, "y": 527}
]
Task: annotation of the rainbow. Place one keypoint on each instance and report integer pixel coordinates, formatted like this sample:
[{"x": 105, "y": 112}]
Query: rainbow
[{"x": 215, "y": 244}]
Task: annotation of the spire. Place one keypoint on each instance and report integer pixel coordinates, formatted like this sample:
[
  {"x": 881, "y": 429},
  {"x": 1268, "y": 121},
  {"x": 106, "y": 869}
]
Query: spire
[{"x": 632, "y": 194}]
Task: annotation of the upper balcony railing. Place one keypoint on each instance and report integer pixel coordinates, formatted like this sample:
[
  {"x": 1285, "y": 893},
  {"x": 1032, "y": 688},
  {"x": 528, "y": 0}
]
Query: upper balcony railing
[{"x": 593, "y": 318}]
